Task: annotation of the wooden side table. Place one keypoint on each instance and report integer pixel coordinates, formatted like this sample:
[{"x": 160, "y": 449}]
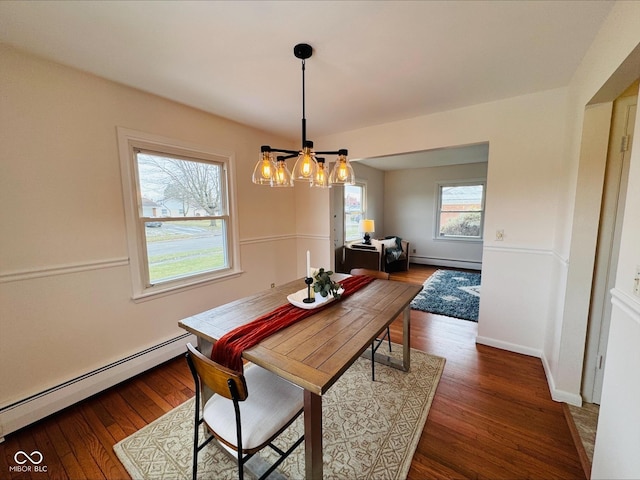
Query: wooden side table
[{"x": 355, "y": 257}]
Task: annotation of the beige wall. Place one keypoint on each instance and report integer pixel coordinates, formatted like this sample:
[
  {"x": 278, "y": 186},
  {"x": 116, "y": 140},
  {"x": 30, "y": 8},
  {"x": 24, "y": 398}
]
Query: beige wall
[
  {"x": 562, "y": 352},
  {"x": 410, "y": 207},
  {"x": 526, "y": 144},
  {"x": 612, "y": 63},
  {"x": 532, "y": 299},
  {"x": 64, "y": 282},
  {"x": 530, "y": 303},
  {"x": 617, "y": 441},
  {"x": 65, "y": 289},
  {"x": 599, "y": 74}
]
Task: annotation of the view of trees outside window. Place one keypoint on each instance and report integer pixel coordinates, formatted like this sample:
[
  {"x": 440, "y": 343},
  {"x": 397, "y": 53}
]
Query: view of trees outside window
[
  {"x": 353, "y": 211},
  {"x": 184, "y": 214},
  {"x": 461, "y": 210}
]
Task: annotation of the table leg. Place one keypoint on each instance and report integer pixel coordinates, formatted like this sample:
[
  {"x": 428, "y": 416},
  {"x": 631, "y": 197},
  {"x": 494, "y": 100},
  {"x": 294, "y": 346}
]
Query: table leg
[
  {"x": 313, "y": 435},
  {"x": 405, "y": 363},
  {"x": 406, "y": 339}
]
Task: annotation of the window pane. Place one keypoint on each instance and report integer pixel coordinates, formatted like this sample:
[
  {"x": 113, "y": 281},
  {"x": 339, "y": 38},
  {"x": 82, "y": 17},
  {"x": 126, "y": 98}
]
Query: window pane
[
  {"x": 460, "y": 224},
  {"x": 462, "y": 198},
  {"x": 351, "y": 227},
  {"x": 179, "y": 211},
  {"x": 172, "y": 187},
  {"x": 353, "y": 210},
  {"x": 177, "y": 249},
  {"x": 352, "y": 198}
]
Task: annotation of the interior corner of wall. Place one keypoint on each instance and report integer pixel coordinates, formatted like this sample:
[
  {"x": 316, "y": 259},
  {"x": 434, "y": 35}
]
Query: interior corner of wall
[{"x": 558, "y": 395}]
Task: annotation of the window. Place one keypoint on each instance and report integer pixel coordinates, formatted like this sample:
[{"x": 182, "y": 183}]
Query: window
[
  {"x": 179, "y": 213},
  {"x": 460, "y": 214},
  {"x": 354, "y": 208}
]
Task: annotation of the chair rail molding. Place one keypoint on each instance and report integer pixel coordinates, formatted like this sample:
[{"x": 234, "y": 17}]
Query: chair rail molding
[
  {"x": 66, "y": 269},
  {"x": 626, "y": 303},
  {"x": 267, "y": 239}
]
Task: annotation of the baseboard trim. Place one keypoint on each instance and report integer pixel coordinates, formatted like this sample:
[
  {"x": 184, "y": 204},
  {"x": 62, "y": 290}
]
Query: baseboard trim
[
  {"x": 511, "y": 347},
  {"x": 556, "y": 395},
  {"x": 445, "y": 262},
  {"x": 35, "y": 407},
  {"x": 559, "y": 395}
]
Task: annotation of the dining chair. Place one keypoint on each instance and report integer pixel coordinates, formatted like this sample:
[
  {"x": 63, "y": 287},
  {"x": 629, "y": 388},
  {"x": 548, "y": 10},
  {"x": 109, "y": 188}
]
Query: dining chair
[
  {"x": 243, "y": 424},
  {"x": 375, "y": 344}
]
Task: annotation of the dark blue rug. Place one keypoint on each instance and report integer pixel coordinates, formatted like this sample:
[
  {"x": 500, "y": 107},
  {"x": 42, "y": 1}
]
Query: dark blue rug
[{"x": 451, "y": 293}]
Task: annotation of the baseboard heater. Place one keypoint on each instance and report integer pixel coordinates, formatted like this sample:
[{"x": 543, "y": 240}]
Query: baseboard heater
[
  {"x": 445, "y": 262},
  {"x": 37, "y": 406}
]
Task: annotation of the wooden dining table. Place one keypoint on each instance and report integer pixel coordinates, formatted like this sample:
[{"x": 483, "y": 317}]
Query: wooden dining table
[{"x": 314, "y": 352}]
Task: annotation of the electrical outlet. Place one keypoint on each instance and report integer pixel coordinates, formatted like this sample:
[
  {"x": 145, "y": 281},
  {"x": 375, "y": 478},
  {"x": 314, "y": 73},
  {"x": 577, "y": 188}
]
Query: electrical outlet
[
  {"x": 499, "y": 235},
  {"x": 636, "y": 282},
  {"x": 413, "y": 251}
]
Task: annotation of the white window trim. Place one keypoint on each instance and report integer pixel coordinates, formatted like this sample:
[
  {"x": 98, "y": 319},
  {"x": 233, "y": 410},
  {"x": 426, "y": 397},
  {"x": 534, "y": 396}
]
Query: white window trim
[
  {"x": 128, "y": 142},
  {"x": 363, "y": 185},
  {"x": 436, "y": 213}
]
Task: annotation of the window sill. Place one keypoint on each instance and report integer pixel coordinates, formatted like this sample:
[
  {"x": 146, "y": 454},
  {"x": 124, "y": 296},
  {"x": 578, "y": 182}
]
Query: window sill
[
  {"x": 458, "y": 239},
  {"x": 162, "y": 291}
]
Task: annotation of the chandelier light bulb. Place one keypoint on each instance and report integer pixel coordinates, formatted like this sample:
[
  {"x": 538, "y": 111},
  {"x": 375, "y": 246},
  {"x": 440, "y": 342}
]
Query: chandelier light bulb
[
  {"x": 306, "y": 166},
  {"x": 282, "y": 176},
  {"x": 321, "y": 179},
  {"x": 342, "y": 174},
  {"x": 265, "y": 169}
]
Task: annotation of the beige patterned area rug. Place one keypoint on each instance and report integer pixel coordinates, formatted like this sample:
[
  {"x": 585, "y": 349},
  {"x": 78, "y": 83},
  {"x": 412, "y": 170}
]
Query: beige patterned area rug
[{"x": 370, "y": 429}]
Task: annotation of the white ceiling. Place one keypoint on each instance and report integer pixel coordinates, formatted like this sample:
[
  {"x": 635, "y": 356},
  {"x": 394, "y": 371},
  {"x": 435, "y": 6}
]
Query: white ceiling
[{"x": 373, "y": 62}]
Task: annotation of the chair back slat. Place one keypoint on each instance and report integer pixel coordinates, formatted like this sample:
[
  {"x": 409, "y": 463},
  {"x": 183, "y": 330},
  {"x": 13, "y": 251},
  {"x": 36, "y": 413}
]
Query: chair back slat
[
  {"x": 371, "y": 273},
  {"x": 216, "y": 376}
]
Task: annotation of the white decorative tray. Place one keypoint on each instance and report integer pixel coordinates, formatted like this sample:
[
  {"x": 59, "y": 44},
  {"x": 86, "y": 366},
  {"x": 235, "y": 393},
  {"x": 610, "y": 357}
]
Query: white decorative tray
[{"x": 298, "y": 297}]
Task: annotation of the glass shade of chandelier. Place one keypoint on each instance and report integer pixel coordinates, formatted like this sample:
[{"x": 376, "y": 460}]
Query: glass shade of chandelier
[
  {"x": 282, "y": 176},
  {"x": 308, "y": 168},
  {"x": 321, "y": 178},
  {"x": 265, "y": 170},
  {"x": 342, "y": 173}
]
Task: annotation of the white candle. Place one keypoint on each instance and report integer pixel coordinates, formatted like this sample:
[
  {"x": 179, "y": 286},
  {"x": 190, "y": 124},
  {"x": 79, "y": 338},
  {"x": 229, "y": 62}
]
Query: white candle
[{"x": 308, "y": 264}]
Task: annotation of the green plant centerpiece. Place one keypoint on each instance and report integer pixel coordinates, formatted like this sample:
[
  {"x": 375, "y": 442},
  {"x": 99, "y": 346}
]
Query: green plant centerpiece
[{"x": 323, "y": 284}]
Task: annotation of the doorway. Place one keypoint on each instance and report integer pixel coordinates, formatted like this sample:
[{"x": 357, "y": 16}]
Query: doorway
[{"x": 609, "y": 230}]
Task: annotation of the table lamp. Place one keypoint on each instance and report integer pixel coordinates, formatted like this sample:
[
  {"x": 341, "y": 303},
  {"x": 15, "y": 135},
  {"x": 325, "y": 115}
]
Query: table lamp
[{"x": 367, "y": 226}]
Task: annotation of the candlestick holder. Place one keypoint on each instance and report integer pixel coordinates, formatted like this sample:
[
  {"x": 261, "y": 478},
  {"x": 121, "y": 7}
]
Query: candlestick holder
[{"x": 309, "y": 282}]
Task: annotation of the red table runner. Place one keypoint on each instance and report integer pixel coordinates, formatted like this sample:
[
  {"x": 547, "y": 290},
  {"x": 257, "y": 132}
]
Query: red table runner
[{"x": 228, "y": 349}]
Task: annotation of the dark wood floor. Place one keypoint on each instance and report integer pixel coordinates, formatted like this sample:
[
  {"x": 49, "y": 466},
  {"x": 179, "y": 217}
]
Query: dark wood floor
[{"x": 492, "y": 416}]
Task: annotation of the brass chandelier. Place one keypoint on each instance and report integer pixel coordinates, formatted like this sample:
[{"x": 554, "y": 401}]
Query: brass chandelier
[{"x": 308, "y": 167}]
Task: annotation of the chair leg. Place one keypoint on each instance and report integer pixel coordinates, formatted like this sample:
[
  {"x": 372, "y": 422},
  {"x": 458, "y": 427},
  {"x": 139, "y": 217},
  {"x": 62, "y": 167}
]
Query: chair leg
[
  {"x": 196, "y": 427},
  {"x": 283, "y": 457},
  {"x": 195, "y": 460},
  {"x": 373, "y": 362},
  {"x": 195, "y": 443}
]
